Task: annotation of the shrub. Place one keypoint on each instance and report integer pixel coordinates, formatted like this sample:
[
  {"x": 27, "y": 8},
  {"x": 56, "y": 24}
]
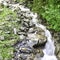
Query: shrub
[{"x": 50, "y": 11}]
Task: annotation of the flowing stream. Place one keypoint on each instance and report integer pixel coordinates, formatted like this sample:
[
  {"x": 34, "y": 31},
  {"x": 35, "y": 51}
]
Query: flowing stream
[{"x": 49, "y": 47}]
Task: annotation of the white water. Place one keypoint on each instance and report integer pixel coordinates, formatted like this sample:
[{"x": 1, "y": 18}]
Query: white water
[{"x": 49, "y": 47}]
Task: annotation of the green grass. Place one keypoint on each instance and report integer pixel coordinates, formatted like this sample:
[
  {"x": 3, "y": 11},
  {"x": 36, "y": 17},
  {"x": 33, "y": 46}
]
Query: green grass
[
  {"x": 6, "y": 53},
  {"x": 52, "y": 16},
  {"x": 8, "y": 20}
]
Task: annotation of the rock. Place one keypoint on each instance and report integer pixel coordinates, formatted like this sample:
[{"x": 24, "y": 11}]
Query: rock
[
  {"x": 25, "y": 50},
  {"x": 31, "y": 30},
  {"x": 58, "y": 56},
  {"x": 26, "y": 20},
  {"x": 25, "y": 24},
  {"x": 23, "y": 57},
  {"x": 22, "y": 37},
  {"x": 39, "y": 39},
  {"x": 23, "y": 29},
  {"x": 21, "y": 33},
  {"x": 31, "y": 24},
  {"x": 37, "y": 57},
  {"x": 57, "y": 49},
  {"x": 56, "y": 37}
]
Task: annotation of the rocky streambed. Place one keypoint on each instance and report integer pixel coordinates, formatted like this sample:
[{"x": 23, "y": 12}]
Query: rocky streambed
[{"x": 32, "y": 36}]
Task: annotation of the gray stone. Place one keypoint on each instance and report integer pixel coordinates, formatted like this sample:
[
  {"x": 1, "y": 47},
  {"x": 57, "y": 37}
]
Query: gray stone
[
  {"x": 58, "y": 56},
  {"x": 21, "y": 33},
  {"x": 22, "y": 37},
  {"x": 31, "y": 30}
]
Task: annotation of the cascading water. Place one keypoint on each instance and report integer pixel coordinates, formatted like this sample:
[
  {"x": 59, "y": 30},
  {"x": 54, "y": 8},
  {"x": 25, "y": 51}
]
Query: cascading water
[{"x": 49, "y": 47}]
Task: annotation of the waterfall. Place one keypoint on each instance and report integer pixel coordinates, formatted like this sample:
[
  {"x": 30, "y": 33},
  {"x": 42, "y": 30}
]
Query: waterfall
[{"x": 49, "y": 47}]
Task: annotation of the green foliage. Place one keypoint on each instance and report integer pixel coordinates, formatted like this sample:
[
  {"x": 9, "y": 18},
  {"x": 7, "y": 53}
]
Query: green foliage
[
  {"x": 20, "y": 0},
  {"x": 6, "y": 53},
  {"x": 52, "y": 16},
  {"x": 5, "y": 12},
  {"x": 8, "y": 21},
  {"x": 50, "y": 11}
]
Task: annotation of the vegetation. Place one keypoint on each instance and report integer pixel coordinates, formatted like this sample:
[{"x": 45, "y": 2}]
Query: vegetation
[
  {"x": 8, "y": 20},
  {"x": 49, "y": 10}
]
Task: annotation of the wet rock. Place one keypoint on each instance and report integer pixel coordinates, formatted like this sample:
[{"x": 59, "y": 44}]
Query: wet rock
[
  {"x": 31, "y": 57},
  {"x": 31, "y": 30},
  {"x": 22, "y": 37},
  {"x": 25, "y": 50},
  {"x": 37, "y": 57},
  {"x": 26, "y": 20},
  {"x": 57, "y": 49},
  {"x": 40, "y": 39},
  {"x": 23, "y": 29},
  {"x": 31, "y": 24},
  {"x": 21, "y": 33},
  {"x": 23, "y": 57},
  {"x": 25, "y": 24},
  {"x": 58, "y": 56},
  {"x": 56, "y": 37}
]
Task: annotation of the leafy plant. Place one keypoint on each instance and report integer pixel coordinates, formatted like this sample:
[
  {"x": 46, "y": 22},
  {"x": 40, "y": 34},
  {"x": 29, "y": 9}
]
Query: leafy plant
[
  {"x": 7, "y": 23},
  {"x": 50, "y": 11}
]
